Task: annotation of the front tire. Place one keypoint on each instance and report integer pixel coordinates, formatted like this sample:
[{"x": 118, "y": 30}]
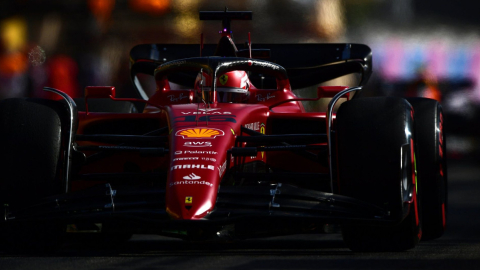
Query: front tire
[
  {"x": 376, "y": 164},
  {"x": 30, "y": 158}
]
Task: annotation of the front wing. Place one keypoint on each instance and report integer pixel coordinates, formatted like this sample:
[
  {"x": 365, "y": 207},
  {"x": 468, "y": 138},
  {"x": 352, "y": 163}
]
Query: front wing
[{"x": 142, "y": 210}]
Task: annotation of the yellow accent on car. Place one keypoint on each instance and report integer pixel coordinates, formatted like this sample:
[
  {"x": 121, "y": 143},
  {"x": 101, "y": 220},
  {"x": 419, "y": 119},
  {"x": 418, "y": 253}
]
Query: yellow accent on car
[
  {"x": 223, "y": 79},
  {"x": 200, "y": 133}
]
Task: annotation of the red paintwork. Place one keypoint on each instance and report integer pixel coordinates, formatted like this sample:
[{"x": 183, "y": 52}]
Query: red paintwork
[
  {"x": 203, "y": 157},
  {"x": 443, "y": 215},
  {"x": 201, "y": 135},
  {"x": 197, "y": 163}
]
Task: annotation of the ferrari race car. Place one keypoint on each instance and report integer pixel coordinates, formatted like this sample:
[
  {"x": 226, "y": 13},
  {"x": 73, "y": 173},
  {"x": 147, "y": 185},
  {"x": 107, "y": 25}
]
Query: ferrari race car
[{"x": 223, "y": 149}]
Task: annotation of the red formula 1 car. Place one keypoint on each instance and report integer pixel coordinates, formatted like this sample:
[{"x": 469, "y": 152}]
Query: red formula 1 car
[{"x": 223, "y": 149}]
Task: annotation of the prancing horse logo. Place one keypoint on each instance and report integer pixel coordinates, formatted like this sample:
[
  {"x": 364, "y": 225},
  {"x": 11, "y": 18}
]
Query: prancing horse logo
[{"x": 223, "y": 79}]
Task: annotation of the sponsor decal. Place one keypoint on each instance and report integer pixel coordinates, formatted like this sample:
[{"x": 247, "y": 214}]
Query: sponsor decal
[
  {"x": 185, "y": 158},
  {"x": 191, "y": 182},
  {"x": 206, "y": 111},
  {"x": 209, "y": 109},
  {"x": 260, "y": 97},
  {"x": 195, "y": 133},
  {"x": 223, "y": 79},
  {"x": 221, "y": 169},
  {"x": 192, "y": 176},
  {"x": 257, "y": 126},
  {"x": 209, "y": 159},
  {"x": 197, "y": 152},
  {"x": 203, "y": 112},
  {"x": 209, "y": 118},
  {"x": 188, "y": 200},
  {"x": 179, "y": 98},
  {"x": 197, "y": 144},
  {"x": 253, "y": 126},
  {"x": 192, "y": 166}
]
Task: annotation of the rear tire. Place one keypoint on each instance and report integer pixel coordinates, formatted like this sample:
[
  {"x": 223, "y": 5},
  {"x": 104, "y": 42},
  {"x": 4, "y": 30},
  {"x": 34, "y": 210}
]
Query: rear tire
[
  {"x": 431, "y": 165},
  {"x": 376, "y": 165}
]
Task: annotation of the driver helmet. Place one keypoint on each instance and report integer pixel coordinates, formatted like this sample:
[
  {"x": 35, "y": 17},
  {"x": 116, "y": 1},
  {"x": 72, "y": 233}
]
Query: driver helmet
[{"x": 231, "y": 87}]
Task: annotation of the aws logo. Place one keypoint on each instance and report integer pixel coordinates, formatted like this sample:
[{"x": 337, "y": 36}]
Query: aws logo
[
  {"x": 197, "y": 144},
  {"x": 196, "y": 133}
]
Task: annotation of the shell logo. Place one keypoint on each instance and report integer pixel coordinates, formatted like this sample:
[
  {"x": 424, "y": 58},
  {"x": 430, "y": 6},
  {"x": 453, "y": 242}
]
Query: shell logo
[{"x": 195, "y": 133}]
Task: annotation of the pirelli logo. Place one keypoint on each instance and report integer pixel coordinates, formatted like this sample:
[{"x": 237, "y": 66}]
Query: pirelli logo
[{"x": 195, "y": 133}]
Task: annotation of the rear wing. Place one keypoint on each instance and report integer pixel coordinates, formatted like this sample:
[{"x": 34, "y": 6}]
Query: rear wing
[{"x": 306, "y": 64}]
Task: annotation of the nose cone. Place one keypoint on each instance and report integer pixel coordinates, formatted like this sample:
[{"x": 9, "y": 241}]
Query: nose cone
[
  {"x": 198, "y": 162},
  {"x": 192, "y": 197}
]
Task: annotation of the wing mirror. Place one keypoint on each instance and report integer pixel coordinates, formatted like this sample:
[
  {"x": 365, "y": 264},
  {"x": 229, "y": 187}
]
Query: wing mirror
[
  {"x": 98, "y": 92},
  {"x": 109, "y": 92}
]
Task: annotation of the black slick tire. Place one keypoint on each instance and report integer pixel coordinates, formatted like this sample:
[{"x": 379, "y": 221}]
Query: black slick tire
[
  {"x": 376, "y": 164},
  {"x": 30, "y": 161},
  {"x": 30, "y": 132},
  {"x": 431, "y": 165}
]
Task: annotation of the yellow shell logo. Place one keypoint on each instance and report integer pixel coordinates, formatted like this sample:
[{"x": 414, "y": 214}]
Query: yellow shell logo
[{"x": 194, "y": 133}]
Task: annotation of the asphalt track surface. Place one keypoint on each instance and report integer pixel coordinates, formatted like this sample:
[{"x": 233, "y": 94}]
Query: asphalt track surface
[{"x": 459, "y": 248}]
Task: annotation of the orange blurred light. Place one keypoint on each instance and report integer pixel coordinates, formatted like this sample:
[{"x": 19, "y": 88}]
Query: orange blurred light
[
  {"x": 13, "y": 63},
  {"x": 154, "y": 7},
  {"x": 330, "y": 19},
  {"x": 101, "y": 9}
]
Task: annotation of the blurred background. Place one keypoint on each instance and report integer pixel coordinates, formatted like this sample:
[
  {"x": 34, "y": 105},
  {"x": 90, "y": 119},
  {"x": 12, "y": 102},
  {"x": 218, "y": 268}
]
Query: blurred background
[{"x": 427, "y": 48}]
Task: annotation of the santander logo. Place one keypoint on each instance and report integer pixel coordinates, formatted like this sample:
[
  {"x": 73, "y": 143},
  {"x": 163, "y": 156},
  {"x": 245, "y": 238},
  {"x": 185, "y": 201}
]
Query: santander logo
[{"x": 191, "y": 179}]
